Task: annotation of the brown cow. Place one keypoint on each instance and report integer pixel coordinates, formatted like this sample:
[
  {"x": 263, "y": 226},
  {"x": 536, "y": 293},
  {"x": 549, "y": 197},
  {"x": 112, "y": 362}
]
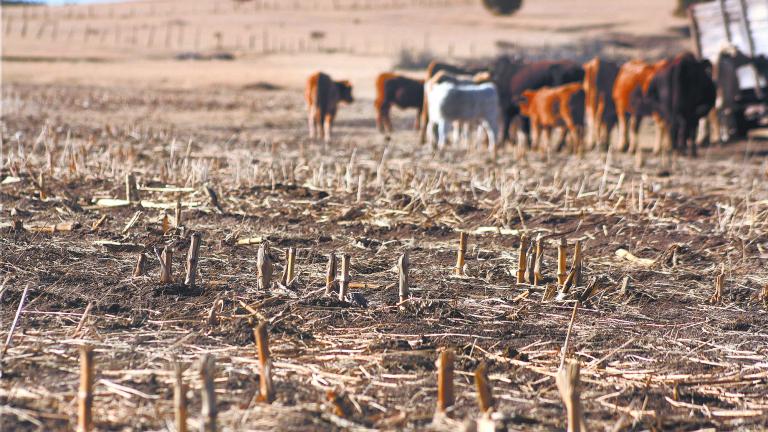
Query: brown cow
[
  {"x": 599, "y": 77},
  {"x": 323, "y": 96},
  {"x": 550, "y": 107},
  {"x": 398, "y": 90},
  {"x": 633, "y": 75}
]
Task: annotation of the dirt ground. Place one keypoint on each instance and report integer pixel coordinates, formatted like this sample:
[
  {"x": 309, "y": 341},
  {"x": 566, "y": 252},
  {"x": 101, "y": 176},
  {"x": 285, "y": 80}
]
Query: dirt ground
[
  {"x": 655, "y": 352},
  {"x": 656, "y": 355}
]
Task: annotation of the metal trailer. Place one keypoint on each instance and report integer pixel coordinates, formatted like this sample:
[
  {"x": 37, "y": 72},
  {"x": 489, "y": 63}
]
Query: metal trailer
[{"x": 743, "y": 23}]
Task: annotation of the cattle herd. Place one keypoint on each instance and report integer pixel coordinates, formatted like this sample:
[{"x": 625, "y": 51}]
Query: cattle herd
[{"x": 514, "y": 101}]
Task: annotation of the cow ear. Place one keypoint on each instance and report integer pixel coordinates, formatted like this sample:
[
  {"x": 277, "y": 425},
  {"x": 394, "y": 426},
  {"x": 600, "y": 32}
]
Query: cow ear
[{"x": 528, "y": 95}]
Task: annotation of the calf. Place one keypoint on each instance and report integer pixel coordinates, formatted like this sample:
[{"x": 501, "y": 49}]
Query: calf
[
  {"x": 682, "y": 93},
  {"x": 599, "y": 77},
  {"x": 550, "y": 107},
  {"x": 433, "y": 69},
  {"x": 629, "y": 88},
  {"x": 535, "y": 76},
  {"x": 403, "y": 92},
  {"x": 323, "y": 96},
  {"x": 450, "y": 101}
]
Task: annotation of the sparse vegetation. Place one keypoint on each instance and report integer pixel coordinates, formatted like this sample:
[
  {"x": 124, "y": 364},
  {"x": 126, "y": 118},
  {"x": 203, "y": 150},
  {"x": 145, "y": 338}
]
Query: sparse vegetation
[{"x": 259, "y": 203}]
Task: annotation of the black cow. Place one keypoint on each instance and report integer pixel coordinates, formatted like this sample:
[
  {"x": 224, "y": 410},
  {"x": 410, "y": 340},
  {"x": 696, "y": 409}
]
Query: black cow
[
  {"x": 682, "y": 93},
  {"x": 533, "y": 76},
  {"x": 729, "y": 60},
  {"x": 400, "y": 91}
]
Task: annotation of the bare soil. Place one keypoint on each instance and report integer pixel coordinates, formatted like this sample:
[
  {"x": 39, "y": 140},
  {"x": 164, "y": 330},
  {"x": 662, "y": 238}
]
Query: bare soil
[{"x": 657, "y": 355}]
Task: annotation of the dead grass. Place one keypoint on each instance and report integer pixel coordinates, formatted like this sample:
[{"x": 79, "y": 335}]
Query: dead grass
[{"x": 654, "y": 353}]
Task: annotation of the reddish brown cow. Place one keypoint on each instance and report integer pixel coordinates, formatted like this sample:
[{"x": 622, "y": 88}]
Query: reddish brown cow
[
  {"x": 550, "y": 107},
  {"x": 323, "y": 96},
  {"x": 398, "y": 90},
  {"x": 633, "y": 75},
  {"x": 599, "y": 77}
]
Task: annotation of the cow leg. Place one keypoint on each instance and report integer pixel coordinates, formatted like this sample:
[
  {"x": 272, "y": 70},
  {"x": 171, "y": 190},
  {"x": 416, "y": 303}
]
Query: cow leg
[
  {"x": 417, "y": 122},
  {"x": 661, "y": 132},
  {"x": 536, "y": 133},
  {"x": 379, "y": 116},
  {"x": 424, "y": 120},
  {"x": 431, "y": 129},
  {"x": 387, "y": 119},
  {"x": 702, "y": 130},
  {"x": 525, "y": 126},
  {"x": 319, "y": 128},
  {"x": 311, "y": 114},
  {"x": 692, "y": 136},
  {"x": 564, "y": 135},
  {"x": 548, "y": 135},
  {"x": 491, "y": 127},
  {"x": 589, "y": 124},
  {"x": 714, "y": 126},
  {"x": 328, "y": 125},
  {"x": 609, "y": 128},
  {"x": 634, "y": 133},
  {"x": 382, "y": 118},
  {"x": 623, "y": 133},
  {"x": 456, "y": 132},
  {"x": 443, "y": 128},
  {"x": 506, "y": 122},
  {"x": 674, "y": 133},
  {"x": 468, "y": 127}
]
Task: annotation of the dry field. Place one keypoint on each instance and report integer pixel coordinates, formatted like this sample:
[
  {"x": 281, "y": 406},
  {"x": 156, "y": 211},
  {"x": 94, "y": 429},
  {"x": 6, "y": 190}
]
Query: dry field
[
  {"x": 655, "y": 353},
  {"x": 657, "y": 350}
]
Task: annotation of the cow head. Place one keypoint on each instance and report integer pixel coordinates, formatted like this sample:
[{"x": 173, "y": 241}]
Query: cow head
[
  {"x": 345, "y": 91},
  {"x": 525, "y": 102},
  {"x": 731, "y": 54}
]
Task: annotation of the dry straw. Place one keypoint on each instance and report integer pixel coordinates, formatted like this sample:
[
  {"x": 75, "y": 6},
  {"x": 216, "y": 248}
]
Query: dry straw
[
  {"x": 192, "y": 259},
  {"x": 445, "y": 391},
  {"x": 330, "y": 273},
  {"x": 402, "y": 271},
  {"x": 568, "y": 385},
  {"x": 264, "y": 267},
  {"x": 562, "y": 257},
  {"x": 85, "y": 394},
  {"x": 208, "y": 404},
  {"x": 266, "y": 388},
  {"x": 460, "y": 253},
  {"x": 166, "y": 262},
  {"x": 345, "y": 280},
  {"x": 179, "y": 398},
  {"x": 484, "y": 398},
  {"x": 522, "y": 260}
]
